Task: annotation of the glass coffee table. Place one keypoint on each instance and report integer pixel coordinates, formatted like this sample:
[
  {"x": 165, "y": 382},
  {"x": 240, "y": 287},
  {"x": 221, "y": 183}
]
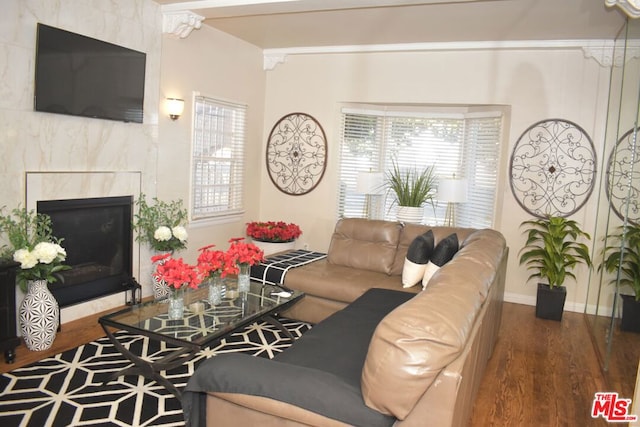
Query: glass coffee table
[{"x": 201, "y": 325}]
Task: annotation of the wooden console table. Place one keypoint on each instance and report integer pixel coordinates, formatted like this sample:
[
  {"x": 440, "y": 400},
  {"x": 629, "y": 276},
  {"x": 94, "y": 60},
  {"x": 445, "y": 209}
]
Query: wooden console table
[{"x": 8, "y": 336}]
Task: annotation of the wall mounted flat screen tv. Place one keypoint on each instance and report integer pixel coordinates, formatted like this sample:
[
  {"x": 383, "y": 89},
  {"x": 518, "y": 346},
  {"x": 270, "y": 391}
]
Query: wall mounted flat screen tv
[{"x": 82, "y": 76}]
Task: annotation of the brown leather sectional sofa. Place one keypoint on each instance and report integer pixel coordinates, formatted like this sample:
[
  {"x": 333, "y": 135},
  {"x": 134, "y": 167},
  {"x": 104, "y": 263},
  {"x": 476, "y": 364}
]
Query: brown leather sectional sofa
[{"x": 426, "y": 356}]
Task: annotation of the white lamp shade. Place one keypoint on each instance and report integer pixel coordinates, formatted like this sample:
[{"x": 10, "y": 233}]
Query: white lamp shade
[
  {"x": 452, "y": 190},
  {"x": 369, "y": 183}
]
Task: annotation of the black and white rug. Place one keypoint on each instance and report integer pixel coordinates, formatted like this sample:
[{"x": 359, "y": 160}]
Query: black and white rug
[{"x": 67, "y": 390}]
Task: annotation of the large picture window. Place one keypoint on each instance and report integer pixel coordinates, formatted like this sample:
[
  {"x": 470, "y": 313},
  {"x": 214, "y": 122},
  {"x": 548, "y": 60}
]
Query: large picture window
[
  {"x": 217, "y": 158},
  {"x": 457, "y": 142}
]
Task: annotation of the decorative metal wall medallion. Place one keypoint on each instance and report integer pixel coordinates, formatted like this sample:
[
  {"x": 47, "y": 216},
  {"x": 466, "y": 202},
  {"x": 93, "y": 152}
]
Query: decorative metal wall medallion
[
  {"x": 623, "y": 177},
  {"x": 296, "y": 154},
  {"x": 553, "y": 168}
]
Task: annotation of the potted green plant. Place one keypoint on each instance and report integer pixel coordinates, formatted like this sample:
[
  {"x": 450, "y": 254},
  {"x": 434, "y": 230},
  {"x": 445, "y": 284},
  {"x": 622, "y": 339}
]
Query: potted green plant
[
  {"x": 412, "y": 188},
  {"x": 622, "y": 257},
  {"x": 552, "y": 251},
  {"x": 161, "y": 224}
]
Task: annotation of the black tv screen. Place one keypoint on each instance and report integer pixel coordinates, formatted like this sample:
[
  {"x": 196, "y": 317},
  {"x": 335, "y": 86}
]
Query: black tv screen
[{"x": 82, "y": 76}]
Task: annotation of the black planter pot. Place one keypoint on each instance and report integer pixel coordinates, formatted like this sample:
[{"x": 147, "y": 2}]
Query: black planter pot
[
  {"x": 630, "y": 314},
  {"x": 550, "y": 301}
]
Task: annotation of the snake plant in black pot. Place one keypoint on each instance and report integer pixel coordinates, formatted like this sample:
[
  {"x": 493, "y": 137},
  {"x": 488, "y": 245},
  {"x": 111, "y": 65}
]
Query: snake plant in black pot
[{"x": 551, "y": 252}]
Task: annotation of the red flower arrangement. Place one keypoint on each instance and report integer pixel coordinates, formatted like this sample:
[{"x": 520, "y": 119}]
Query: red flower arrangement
[
  {"x": 211, "y": 262},
  {"x": 243, "y": 253},
  {"x": 272, "y": 231},
  {"x": 175, "y": 272}
]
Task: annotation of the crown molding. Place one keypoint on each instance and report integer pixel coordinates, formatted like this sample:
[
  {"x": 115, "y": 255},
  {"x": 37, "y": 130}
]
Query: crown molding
[
  {"x": 270, "y": 60},
  {"x": 630, "y": 7},
  {"x": 599, "y": 50},
  {"x": 180, "y": 23}
]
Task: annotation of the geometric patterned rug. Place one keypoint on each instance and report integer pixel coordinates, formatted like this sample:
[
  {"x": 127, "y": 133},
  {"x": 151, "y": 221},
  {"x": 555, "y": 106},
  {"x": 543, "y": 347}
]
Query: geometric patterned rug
[{"x": 66, "y": 389}]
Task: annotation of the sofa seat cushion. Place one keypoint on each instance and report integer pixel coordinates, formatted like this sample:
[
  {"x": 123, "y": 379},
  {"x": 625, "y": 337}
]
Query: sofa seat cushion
[
  {"x": 339, "y": 283},
  {"x": 320, "y": 372},
  {"x": 339, "y": 343}
]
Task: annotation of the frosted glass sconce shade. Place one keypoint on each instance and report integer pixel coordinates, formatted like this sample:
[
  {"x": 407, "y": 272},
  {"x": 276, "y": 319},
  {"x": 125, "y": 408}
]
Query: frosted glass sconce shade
[{"x": 175, "y": 107}]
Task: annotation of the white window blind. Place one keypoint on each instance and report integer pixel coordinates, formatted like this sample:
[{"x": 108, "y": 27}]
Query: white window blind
[
  {"x": 217, "y": 158},
  {"x": 464, "y": 145}
]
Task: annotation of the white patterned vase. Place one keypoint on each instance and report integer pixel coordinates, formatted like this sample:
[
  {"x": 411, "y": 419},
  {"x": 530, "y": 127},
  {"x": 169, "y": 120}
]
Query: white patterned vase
[
  {"x": 160, "y": 289},
  {"x": 243, "y": 278},
  {"x": 39, "y": 319}
]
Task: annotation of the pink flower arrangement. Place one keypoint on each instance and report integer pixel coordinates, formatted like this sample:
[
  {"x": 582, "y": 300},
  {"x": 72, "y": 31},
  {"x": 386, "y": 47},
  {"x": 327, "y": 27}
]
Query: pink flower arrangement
[
  {"x": 241, "y": 252},
  {"x": 175, "y": 272},
  {"x": 272, "y": 231}
]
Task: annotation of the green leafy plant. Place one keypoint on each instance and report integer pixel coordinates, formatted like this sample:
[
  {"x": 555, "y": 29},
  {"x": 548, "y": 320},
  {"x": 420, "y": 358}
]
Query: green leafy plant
[
  {"x": 622, "y": 254},
  {"x": 161, "y": 224},
  {"x": 412, "y": 187},
  {"x": 552, "y": 249},
  {"x": 32, "y": 244}
]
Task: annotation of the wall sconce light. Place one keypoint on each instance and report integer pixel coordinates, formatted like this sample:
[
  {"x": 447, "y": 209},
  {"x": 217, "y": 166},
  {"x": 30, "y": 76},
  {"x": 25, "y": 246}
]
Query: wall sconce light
[{"x": 175, "y": 107}]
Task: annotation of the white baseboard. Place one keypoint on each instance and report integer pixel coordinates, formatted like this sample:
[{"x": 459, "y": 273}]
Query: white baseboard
[{"x": 570, "y": 306}]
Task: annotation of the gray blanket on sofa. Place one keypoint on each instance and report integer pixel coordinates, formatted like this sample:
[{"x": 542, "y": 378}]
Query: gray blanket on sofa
[{"x": 320, "y": 372}]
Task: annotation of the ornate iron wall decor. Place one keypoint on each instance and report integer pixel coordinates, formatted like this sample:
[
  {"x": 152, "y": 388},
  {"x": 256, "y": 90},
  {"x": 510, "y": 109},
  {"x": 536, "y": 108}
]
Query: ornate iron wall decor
[
  {"x": 623, "y": 177},
  {"x": 553, "y": 168},
  {"x": 296, "y": 154}
]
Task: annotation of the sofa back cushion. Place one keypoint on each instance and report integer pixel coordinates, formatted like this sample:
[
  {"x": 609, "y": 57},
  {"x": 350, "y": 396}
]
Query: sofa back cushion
[
  {"x": 418, "y": 339},
  {"x": 365, "y": 244}
]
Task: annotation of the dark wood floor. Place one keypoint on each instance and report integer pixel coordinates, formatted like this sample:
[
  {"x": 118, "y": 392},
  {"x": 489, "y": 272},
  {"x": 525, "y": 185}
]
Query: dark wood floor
[{"x": 542, "y": 373}]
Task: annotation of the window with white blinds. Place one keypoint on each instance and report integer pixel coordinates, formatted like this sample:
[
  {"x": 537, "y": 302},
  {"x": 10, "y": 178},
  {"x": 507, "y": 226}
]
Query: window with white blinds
[
  {"x": 455, "y": 143},
  {"x": 217, "y": 158}
]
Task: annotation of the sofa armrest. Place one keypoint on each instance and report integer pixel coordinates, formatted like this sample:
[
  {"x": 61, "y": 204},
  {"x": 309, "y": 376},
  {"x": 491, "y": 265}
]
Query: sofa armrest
[{"x": 308, "y": 388}]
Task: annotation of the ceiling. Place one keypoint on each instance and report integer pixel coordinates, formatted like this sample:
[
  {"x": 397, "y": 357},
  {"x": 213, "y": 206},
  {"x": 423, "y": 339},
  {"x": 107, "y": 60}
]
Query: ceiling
[{"x": 280, "y": 24}]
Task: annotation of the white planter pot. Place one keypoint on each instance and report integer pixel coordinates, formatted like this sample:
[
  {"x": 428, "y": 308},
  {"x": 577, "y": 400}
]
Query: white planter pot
[
  {"x": 410, "y": 214},
  {"x": 270, "y": 248}
]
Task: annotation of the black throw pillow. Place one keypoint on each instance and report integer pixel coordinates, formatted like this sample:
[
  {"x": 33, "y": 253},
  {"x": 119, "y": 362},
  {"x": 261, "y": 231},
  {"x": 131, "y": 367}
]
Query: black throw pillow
[
  {"x": 417, "y": 258},
  {"x": 442, "y": 254}
]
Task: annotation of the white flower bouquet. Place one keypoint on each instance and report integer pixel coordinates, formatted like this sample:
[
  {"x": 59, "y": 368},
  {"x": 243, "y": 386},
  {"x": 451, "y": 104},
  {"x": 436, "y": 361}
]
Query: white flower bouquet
[
  {"x": 161, "y": 225},
  {"x": 32, "y": 245}
]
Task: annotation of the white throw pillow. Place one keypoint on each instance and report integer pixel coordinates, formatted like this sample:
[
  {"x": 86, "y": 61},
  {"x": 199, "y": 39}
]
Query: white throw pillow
[
  {"x": 412, "y": 273},
  {"x": 429, "y": 271}
]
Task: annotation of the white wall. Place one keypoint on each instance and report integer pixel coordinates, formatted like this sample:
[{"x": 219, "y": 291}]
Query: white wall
[
  {"x": 536, "y": 84},
  {"x": 223, "y": 67}
]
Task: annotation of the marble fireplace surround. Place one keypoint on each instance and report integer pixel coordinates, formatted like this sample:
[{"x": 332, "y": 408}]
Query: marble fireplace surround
[{"x": 57, "y": 185}]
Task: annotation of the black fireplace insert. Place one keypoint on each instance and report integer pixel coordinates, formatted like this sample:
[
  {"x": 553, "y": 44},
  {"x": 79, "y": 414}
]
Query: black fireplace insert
[{"x": 98, "y": 238}]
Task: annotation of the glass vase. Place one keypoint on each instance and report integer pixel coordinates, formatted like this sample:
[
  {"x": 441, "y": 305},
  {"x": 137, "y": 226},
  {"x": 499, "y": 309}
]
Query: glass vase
[
  {"x": 243, "y": 278},
  {"x": 216, "y": 289},
  {"x": 176, "y": 303}
]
